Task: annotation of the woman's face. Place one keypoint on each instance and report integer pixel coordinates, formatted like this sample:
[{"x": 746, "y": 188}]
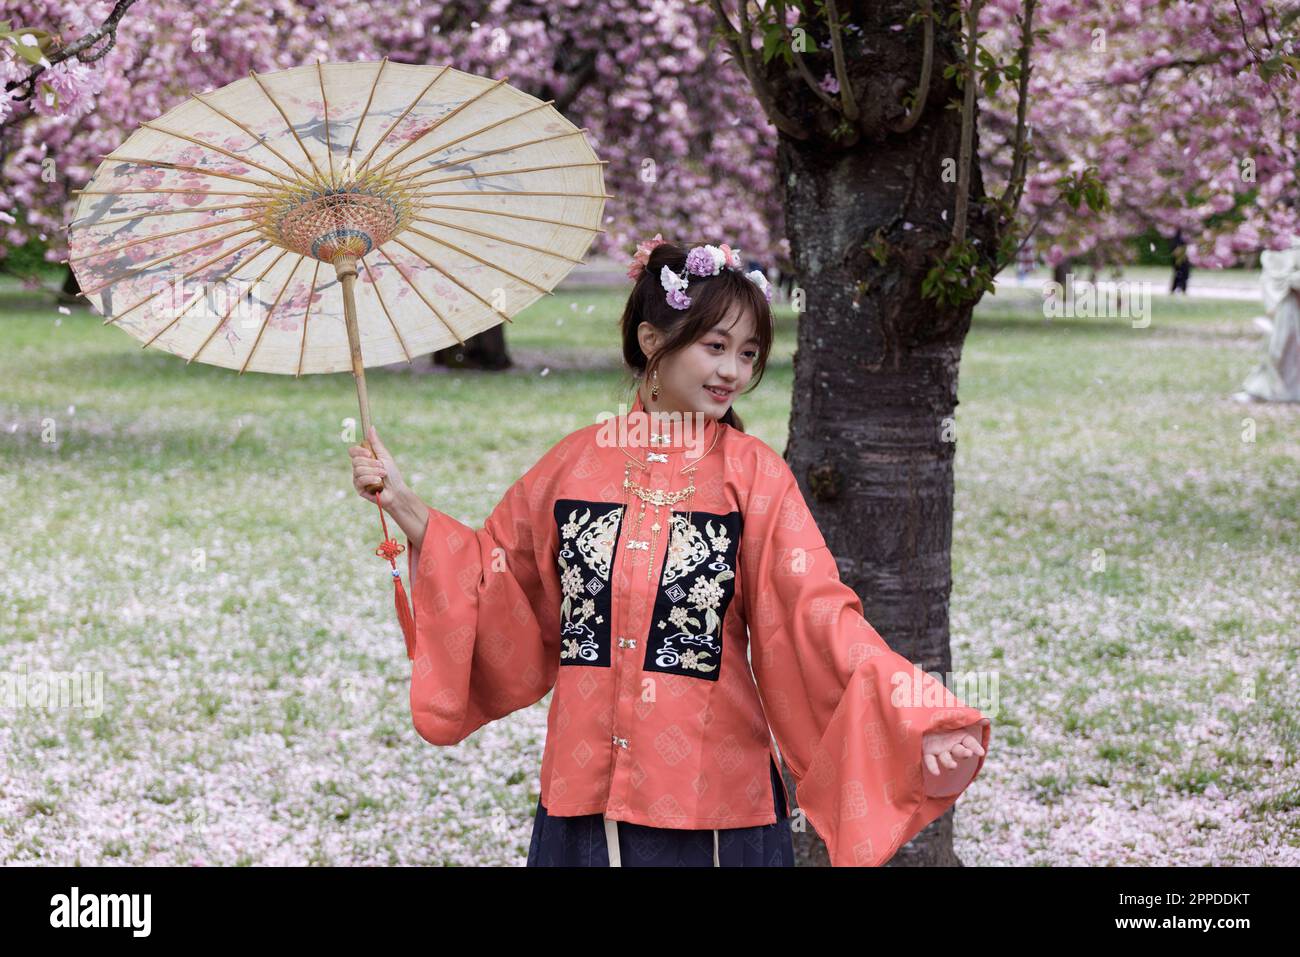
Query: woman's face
[{"x": 724, "y": 358}]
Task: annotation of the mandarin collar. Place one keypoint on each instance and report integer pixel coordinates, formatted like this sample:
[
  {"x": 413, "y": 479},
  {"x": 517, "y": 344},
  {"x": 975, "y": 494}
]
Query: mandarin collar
[{"x": 667, "y": 432}]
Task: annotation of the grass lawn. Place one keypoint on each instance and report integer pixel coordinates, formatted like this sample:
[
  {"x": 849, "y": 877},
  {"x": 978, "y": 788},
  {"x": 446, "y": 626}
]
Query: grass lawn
[{"x": 1123, "y": 560}]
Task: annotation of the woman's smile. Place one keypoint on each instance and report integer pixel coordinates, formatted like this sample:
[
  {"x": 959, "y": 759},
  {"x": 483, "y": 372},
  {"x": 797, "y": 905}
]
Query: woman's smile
[{"x": 718, "y": 393}]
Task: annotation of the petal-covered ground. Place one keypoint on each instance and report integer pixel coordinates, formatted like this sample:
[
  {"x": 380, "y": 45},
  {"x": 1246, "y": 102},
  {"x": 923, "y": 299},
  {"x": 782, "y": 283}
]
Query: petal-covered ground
[{"x": 1124, "y": 564}]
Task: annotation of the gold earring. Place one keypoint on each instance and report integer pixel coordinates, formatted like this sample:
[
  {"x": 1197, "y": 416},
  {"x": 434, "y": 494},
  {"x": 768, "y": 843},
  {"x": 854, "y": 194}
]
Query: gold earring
[{"x": 654, "y": 392}]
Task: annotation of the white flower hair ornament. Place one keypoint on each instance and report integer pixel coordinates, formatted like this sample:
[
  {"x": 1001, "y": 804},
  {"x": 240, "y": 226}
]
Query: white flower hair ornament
[{"x": 707, "y": 261}]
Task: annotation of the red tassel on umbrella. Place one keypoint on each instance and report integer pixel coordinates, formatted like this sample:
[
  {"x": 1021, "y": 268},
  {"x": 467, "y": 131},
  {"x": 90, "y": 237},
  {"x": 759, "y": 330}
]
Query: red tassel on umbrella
[{"x": 390, "y": 548}]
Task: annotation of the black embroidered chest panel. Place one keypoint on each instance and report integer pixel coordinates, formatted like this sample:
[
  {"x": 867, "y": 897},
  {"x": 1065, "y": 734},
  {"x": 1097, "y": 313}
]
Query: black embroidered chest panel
[
  {"x": 588, "y": 532},
  {"x": 694, "y": 593}
]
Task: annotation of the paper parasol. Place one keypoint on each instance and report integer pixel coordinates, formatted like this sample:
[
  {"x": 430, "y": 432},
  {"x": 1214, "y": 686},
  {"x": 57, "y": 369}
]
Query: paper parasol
[{"x": 336, "y": 216}]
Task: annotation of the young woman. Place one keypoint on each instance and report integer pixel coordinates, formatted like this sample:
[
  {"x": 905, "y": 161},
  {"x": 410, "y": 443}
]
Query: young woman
[{"x": 641, "y": 569}]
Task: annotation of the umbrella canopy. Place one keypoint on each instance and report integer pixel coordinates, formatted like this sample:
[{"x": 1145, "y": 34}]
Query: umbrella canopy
[
  {"x": 333, "y": 217},
  {"x": 230, "y": 229}
]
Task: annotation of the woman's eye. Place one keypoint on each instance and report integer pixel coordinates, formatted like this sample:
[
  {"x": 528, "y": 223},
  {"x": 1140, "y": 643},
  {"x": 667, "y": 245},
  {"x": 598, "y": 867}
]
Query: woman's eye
[
  {"x": 718, "y": 344},
  {"x": 752, "y": 354}
]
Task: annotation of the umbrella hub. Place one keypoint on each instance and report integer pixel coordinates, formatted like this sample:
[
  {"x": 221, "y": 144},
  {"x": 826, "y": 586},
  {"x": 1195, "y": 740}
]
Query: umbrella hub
[{"x": 349, "y": 219}]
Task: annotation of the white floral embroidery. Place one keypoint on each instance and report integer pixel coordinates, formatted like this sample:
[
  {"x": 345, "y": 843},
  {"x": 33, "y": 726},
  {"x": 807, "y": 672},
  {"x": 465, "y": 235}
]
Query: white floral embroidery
[
  {"x": 705, "y": 593},
  {"x": 594, "y": 541},
  {"x": 571, "y": 583},
  {"x": 696, "y": 644},
  {"x": 693, "y": 660},
  {"x": 686, "y": 550},
  {"x": 718, "y": 538}
]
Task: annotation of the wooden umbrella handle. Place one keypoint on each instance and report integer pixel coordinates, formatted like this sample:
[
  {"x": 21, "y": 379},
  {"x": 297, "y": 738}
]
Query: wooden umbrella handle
[{"x": 345, "y": 267}]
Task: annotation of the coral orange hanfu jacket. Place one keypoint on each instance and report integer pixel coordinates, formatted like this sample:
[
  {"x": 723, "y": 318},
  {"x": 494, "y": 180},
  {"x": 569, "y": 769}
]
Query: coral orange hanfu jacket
[{"x": 648, "y": 639}]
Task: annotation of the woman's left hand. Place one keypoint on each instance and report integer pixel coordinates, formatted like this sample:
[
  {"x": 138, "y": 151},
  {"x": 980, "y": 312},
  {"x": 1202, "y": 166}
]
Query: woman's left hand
[{"x": 949, "y": 758}]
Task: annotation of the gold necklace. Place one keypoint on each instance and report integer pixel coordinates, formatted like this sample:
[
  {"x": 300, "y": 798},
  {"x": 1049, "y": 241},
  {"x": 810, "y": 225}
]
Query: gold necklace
[{"x": 658, "y": 498}]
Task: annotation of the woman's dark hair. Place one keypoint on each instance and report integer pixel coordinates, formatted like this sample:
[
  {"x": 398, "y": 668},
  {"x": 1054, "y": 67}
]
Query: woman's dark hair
[{"x": 711, "y": 299}]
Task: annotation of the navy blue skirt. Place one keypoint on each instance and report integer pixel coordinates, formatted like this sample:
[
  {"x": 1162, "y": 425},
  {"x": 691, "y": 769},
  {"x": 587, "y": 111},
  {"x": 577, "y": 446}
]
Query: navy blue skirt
[{"x": 585, "y": 841}]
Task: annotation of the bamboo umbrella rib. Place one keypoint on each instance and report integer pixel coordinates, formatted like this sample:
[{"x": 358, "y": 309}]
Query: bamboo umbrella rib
[
  {"x": 453, "y": 279},
  {"x": 490, "y": 265},
  {"x": 500, "y": 239},
  {"x": 374, "y": 284},
  {"x": 499, "y": 212},
  {"x": 162, "y": 259},
  {"x": 311, "y": 294},
  {"x": 329, "y": 145},
  {"x": 145, "y": 239},
  {"x": 455, "y": 160},
  {"x": 222, "y": 320},
  {"x": 182, "y": 277},
  {"x": 401, "y": 272},
  {"x": 258, "y": 140},
  {"x": 506, "y": 172},
  {"x": 229, "y": 272},
  {"x": 159, "y": 212},
  {"x": 365, "y": 112},
  {"x": 460, "y": 139},
  {"x": 517, "y": 192},
  {"x": 165, "y": 164},
  {"x": 266, "y": 320},
  {"x": 284, "y": 116},
  {"x": 151, "y": 192},
  {"x": 440, "y": 120},
  {"x": 393, "y": 125},
  {"x": 213, "y": 146}
]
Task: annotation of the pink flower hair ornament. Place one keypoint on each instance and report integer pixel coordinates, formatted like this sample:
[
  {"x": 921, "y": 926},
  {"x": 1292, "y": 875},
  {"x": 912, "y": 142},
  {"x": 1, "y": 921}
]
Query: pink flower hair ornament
[
  {"x": 643, "y": 251},
  {"x": 700, "y": 261}
]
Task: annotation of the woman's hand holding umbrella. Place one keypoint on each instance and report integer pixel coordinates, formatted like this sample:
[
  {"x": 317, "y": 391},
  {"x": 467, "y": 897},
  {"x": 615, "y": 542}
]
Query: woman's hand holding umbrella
[
  {"x": 369, "y": 471},
  {"x": 396, "y": 498}
]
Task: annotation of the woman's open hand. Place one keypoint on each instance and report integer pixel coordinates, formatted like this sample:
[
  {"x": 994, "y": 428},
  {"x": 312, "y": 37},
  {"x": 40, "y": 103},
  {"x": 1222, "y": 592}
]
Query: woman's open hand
[
  {"x": 367, "y": 470},
  {"x": 950, "y": 758}
]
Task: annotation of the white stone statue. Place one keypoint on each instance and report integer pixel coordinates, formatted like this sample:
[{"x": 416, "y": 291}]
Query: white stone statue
[{"x": 1277, "y": 378}]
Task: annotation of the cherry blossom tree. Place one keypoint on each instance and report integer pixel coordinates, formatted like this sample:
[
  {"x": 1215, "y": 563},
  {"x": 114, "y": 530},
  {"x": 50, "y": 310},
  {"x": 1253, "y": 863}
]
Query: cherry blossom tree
[
  {"x": 1187, "y": 115},
  {"x": 687, "y": 146},
  {"x": 900, "y": 151}
]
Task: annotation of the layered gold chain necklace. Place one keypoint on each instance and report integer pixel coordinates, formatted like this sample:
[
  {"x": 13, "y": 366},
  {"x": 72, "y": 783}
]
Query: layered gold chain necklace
[{"x": 657, "y": 497}]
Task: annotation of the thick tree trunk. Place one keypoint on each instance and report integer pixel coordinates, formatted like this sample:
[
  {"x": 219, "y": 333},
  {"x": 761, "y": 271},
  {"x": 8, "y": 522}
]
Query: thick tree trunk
[
  {"x": 875, "y": 386},
  {"x": 487, "y": 350},
  {"x": 70, "y": 293},
  {"x": 1061, "y": 272}
]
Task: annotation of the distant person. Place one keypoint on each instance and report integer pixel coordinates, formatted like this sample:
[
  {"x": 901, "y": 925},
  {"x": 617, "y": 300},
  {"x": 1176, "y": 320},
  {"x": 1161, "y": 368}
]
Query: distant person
[
  {"x": 1182, "y": 266},
  {"x": 1026, "y": 262}
]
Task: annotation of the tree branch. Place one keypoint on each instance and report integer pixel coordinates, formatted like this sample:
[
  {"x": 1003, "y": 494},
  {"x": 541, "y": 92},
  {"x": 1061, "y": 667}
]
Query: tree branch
[
  {"x": 967, "y": 125},
  {"x": 1019, "y": 155},
  {"x": 849, "y": 102},
  {"x": 738, "y": 40},
  {"x": 927, "y": 68},
  {"x": 807, "y": 74},
  {"x": 106, "y": 29},
  {"x": 1259, "y": 62}
]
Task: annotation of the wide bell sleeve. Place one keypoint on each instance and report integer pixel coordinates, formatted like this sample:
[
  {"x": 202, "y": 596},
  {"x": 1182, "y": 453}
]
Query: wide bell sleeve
[
  {"x": 480, "y": 598},
  {"x": 847, "y": 711}
]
